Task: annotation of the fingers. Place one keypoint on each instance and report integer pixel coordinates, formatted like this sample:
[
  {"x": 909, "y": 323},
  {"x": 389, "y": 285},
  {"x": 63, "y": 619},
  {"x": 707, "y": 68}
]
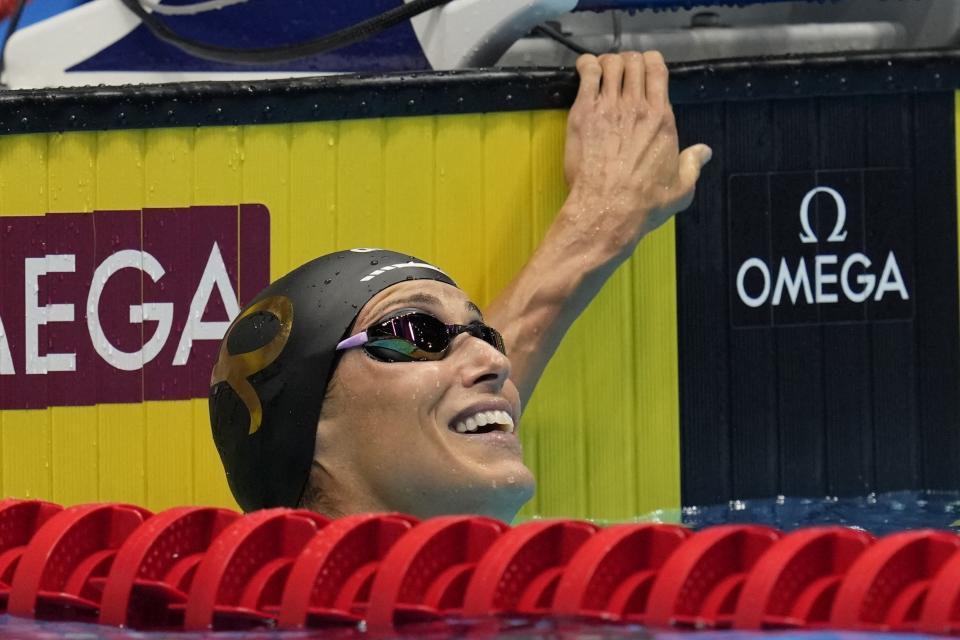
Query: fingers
[
  {"x": 657, "y": 79},
  {"x": 612, "y": 77},
  {"x": 633, "y": 77},
  {"x": 636, "y": 76},
  {"x": 692, "y": 160},
  {"x": 590, "y": 72}
]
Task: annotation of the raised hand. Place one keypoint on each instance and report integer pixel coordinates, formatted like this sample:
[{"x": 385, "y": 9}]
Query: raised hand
[
  {"x": 626, "y": 176},
  {"x": 622, "y": 161}
]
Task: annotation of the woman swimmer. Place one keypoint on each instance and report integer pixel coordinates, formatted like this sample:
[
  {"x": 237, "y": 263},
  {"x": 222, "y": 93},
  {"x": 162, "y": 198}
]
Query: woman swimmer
[{"x": 367, "y": 381}]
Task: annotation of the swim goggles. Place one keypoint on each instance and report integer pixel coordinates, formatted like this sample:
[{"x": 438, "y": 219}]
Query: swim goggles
[{"x": 417, "y": 336}]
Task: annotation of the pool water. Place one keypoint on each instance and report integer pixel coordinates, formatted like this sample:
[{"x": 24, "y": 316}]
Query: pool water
[
  {"x": 879, "y": 514},
  {"x": 516, "y": 629}
]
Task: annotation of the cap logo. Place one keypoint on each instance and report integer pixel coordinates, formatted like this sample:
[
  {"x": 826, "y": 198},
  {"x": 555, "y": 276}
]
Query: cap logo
[
  {"x": 401, "y": 265},
  {"x": 235, "y": 369}
]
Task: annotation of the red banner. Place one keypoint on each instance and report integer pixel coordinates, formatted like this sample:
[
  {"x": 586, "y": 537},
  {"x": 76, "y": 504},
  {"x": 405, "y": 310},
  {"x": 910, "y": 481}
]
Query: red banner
[{"x": 123, "y": 306}]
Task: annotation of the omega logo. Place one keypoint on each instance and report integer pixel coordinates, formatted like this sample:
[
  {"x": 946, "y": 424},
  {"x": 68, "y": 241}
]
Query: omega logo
[
  {"x": 817, "y": 283},
  {"x": 839, "y": 233}
]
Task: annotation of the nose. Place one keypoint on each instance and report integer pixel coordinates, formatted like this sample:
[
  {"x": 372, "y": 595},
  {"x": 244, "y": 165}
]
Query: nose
[{"x": 480, "y": 363}]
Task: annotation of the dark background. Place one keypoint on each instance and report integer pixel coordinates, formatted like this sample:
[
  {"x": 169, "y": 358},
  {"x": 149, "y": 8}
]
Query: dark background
[{"x": 821, "y": 400}]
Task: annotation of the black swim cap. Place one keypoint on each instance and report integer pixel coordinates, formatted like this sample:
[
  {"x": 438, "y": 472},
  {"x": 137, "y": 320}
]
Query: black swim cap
[{"x": 275, "y": 362}]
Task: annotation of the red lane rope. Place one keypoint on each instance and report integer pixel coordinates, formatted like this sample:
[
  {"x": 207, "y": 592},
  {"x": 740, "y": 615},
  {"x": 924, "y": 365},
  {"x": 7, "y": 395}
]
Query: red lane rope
[{"x": 198, "y": 568}]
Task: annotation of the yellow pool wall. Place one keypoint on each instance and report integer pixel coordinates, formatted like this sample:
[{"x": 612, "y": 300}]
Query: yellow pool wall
[{"x": 471, "y": 193}]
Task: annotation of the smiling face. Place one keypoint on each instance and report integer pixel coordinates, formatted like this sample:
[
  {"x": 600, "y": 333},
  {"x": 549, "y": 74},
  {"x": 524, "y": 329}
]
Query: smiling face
[{"x": 410, "y": 436}]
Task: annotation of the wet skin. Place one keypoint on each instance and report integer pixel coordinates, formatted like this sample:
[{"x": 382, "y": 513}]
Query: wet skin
[{"x": 387, "y": 439}]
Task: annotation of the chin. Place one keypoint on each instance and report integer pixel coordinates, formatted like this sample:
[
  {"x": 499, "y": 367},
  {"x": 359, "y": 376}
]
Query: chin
[
  {"x": 500, "y": 497},
  {"x": 509, "y": 495}
]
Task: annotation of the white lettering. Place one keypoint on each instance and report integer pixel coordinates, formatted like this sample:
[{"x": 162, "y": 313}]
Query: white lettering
[
  {"x": 891, "y": 279},
  {"x": 37, "y": 315},
  {"x": 214, "y": 274},
  {"x": 857, "y": 285},
  {"x": 856, "y": 281},
  {"x": 793, "y": 285},
  {"x": 403, "y": 265},
  {"x": 6, "y": 360},
  {"x": 838, "y": 234},
  {"x": 753, "y": 263},
  {"x": 824, "y": 278},
  {"x": 866, "y": 280},
  {"x": 162, "y": 312}
]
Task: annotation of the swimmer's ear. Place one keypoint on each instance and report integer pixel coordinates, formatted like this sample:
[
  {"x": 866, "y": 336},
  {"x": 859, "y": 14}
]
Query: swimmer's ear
[
  {"x": 229, "y": 417},
  {"x": 255, "y": 340},
  {"x": 252, "y": 332}
]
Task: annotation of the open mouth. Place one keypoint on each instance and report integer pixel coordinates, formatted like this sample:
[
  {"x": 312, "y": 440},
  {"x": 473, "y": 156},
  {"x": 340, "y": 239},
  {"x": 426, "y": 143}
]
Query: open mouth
[{"x": 484, "y": 422}]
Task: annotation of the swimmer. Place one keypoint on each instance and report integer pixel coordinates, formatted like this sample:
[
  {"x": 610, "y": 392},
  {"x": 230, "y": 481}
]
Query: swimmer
[{"x": 367, "y": 381}]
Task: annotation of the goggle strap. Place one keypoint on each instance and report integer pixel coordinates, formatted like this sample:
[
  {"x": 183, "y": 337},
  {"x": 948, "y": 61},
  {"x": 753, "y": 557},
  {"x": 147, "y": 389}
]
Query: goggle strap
[{"x": 356, "y": 340}]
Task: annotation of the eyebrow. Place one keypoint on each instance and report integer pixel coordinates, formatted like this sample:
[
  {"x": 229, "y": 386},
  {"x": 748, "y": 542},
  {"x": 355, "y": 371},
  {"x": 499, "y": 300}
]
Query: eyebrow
[
  {"x": 474, "y": 308},
  {"x": 428, "y": 299}
]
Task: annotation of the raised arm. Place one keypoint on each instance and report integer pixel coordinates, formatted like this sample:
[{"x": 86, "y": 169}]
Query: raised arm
[{"x": 626, "y": 177}]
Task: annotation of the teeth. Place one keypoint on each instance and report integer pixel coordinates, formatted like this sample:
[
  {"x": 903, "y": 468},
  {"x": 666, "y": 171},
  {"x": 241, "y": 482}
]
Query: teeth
[
  {"x": 505, "y": 421},
  {"x": 501, "y": 419}
]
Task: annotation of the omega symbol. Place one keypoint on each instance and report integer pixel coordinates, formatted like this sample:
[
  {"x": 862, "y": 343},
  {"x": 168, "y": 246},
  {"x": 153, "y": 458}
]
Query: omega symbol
[
  {"x": 839, "y": 233},
  {"x": 823, "y": 278}
]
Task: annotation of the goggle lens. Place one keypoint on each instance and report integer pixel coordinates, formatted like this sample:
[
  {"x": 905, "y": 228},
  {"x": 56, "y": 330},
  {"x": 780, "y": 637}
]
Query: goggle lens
[{"x": 419, "y": 336}]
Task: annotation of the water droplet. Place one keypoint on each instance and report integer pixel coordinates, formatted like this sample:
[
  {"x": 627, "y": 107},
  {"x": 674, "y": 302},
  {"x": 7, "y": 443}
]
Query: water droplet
[{"x": 737, "y": 505}]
